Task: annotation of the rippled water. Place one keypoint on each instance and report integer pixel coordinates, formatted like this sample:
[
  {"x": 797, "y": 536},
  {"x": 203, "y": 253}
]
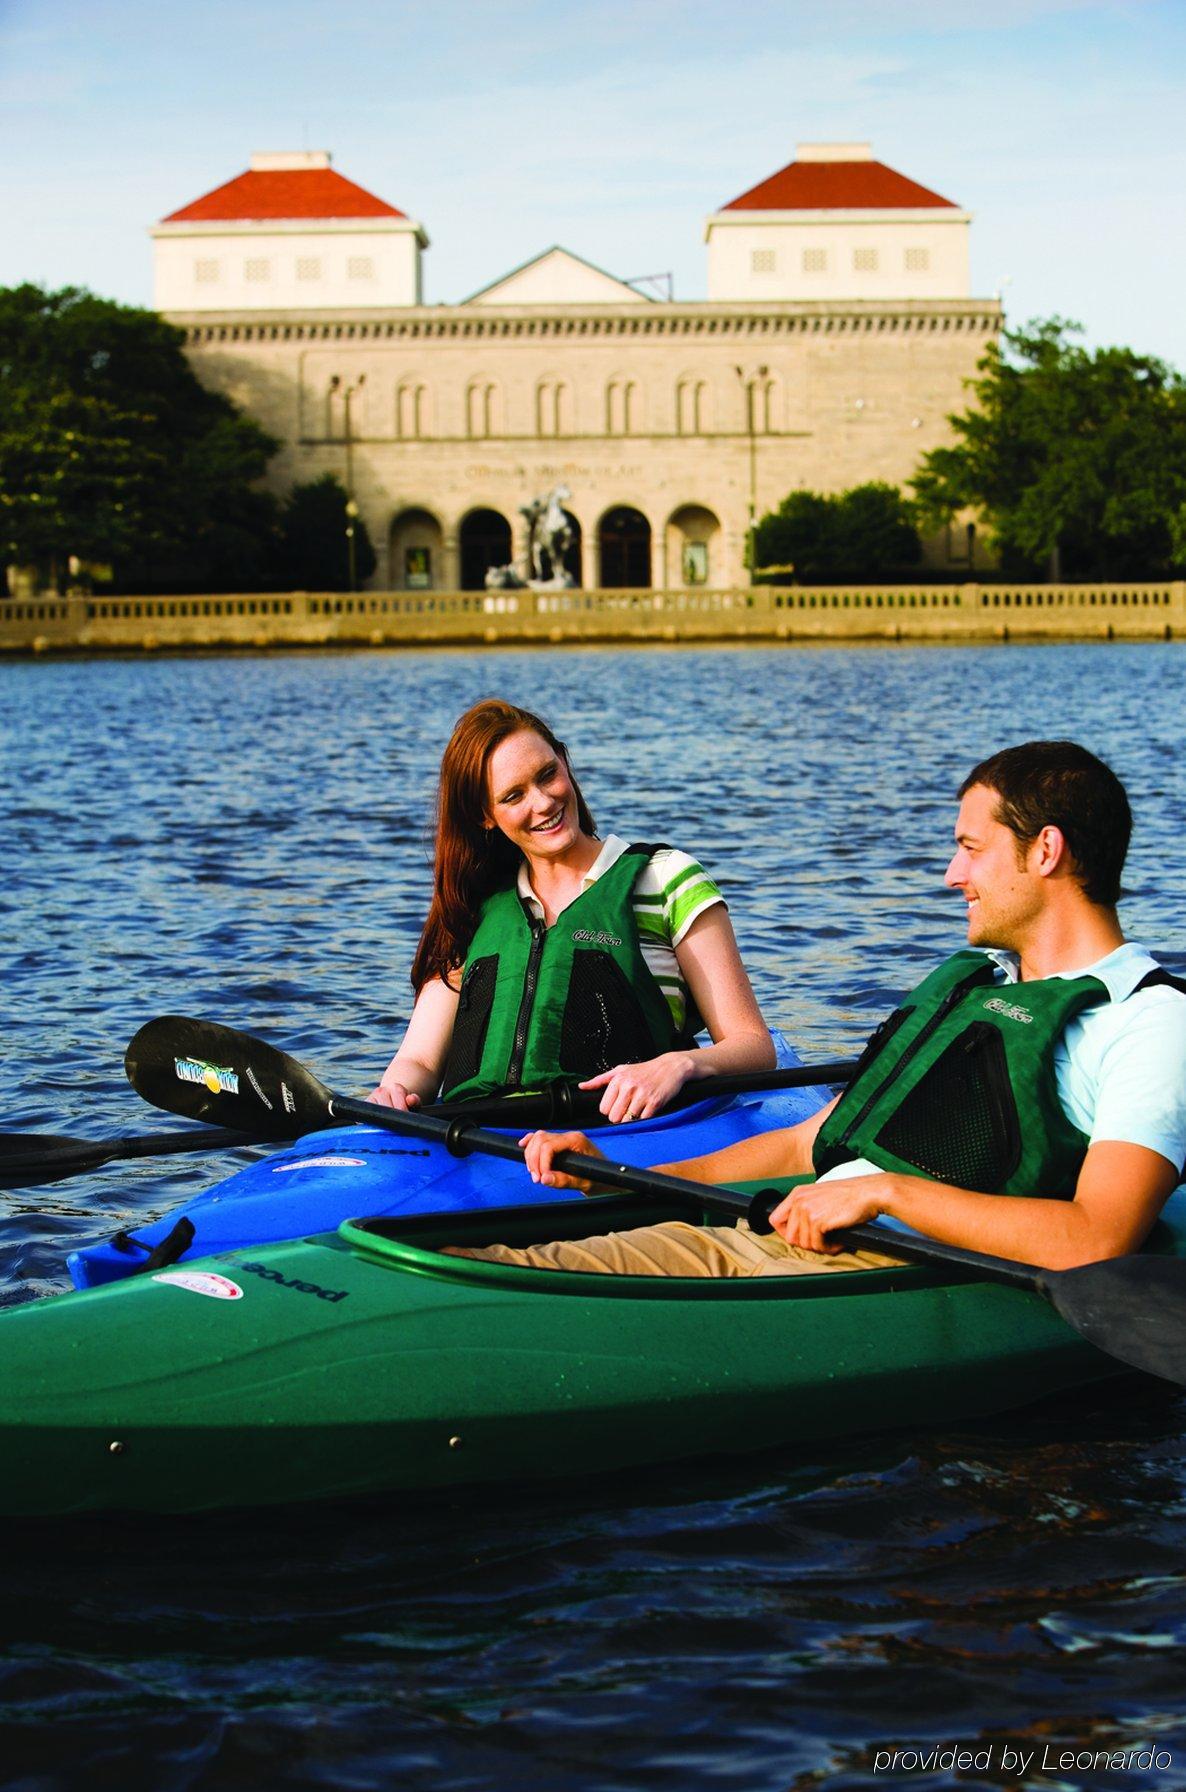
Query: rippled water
[{"x": 246, "y": 838}]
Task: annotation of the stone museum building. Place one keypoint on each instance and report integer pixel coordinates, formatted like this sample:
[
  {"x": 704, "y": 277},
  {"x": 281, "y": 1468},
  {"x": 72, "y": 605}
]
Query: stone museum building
[{"x": 836, "y": 339}]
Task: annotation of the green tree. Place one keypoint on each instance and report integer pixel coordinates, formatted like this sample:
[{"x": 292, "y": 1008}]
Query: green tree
[
  {"x": 1075, "y": 461},
  {"x": 314, "y": 546},
  {"x": 867, "y": 532},
  {"x": 111, "y": 449}
]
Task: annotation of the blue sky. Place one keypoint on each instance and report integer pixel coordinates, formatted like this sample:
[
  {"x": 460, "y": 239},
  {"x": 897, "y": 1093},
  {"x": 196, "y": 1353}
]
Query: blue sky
[{"x": 614, "y": 128}]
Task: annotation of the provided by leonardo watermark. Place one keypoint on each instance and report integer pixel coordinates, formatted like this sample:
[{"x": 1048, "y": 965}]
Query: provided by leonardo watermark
[{"x": 1009, "y": 1757}]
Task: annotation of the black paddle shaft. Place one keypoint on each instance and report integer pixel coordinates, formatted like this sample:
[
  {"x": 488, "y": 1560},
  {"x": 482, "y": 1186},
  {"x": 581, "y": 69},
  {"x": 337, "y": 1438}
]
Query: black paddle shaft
[
  {"x": 1133, "y": 1308},
  {"x": 562, "y": 1103},
  {"x": 36, "y": 1157}
]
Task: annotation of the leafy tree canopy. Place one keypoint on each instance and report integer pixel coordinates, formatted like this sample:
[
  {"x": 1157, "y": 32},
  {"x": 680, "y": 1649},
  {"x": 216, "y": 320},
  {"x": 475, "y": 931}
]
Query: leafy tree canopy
[
  {"x": 314, "y": 544},
  {"x": 112, "y": 450},
  {"x": 864, "y": 533},
  {"x": 1076, "y": 461}
]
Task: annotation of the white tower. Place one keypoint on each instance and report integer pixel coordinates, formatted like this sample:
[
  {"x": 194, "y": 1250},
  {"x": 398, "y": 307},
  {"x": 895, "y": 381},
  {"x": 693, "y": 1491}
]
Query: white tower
[
  {"x": 291, "y": 234},
  {"x": 835, "y": 224}
]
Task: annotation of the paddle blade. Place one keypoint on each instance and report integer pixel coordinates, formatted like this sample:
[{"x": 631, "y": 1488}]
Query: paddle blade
[
  {"x": 1132, "y": 1307},
  {"x": 214, "y": 1073}
]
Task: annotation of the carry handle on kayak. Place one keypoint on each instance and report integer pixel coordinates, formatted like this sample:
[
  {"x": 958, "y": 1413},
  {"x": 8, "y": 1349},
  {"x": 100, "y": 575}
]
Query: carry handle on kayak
[{"x": 1134, "y": 1308}]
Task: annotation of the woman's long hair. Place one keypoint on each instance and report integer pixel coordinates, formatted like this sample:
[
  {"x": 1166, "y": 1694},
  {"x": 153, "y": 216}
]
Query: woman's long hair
[{"x": 470, "y": 860}]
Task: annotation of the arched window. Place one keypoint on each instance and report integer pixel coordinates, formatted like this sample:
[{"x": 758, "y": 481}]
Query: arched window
[
  {"x": 624, "y": 540},
  {"x": 761, "y": 396},
  {"x": 482, "y": 408},
  {"x": 416, "y": 551},
  {"x": 411, "y": 410},
  {"x": 621, "y": 407},
  {"x": 692, "y": 533},
  {"x": 553, "y": 408},
  {"x": 345, "y": 406},
  {"x": 691, "y": 406},
  {"x": 485, "y": 540}
]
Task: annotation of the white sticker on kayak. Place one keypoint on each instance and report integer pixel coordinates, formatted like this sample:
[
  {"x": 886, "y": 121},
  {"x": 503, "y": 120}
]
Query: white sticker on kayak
[
  {"x": 322, "y": 1163},
  {"x": 202, "y": 1281}
]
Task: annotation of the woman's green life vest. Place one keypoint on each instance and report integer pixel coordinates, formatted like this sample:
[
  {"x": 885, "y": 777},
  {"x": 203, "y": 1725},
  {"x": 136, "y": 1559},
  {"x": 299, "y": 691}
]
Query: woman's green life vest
[
  {"x": 570, "y": 1000},
  {"x": 959, "y": 1085}
]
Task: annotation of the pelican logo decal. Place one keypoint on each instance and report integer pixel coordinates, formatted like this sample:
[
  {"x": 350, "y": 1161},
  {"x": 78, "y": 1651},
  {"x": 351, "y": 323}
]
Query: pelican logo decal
[
  {"x": 1009, "y": 1010},
  {"x": 321, "y": 1163},
  {"x": 201, "y": 1281},
  {"x": 218, "y": 1078}
]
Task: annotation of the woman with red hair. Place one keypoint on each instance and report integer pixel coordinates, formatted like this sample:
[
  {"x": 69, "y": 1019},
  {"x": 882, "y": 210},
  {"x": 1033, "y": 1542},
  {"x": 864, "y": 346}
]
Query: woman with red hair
[{"x": 549, "y": 952}]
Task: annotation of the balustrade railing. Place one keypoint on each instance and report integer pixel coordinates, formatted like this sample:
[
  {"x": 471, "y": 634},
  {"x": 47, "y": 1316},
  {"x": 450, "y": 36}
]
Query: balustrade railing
[{"x": 761, "y": 612}]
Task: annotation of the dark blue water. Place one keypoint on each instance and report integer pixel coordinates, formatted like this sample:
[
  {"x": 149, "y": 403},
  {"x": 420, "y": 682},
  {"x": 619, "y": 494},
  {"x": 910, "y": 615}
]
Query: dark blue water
[{"x": 246, "y": 838}]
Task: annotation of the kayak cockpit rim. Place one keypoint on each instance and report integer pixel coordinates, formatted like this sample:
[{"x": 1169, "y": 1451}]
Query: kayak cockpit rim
[{"x": 415, "y": 1244}]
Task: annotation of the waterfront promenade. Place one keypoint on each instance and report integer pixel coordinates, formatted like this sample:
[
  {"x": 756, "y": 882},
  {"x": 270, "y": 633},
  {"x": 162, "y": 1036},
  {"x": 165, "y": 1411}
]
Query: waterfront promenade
[{"x": 964, "y": 612}]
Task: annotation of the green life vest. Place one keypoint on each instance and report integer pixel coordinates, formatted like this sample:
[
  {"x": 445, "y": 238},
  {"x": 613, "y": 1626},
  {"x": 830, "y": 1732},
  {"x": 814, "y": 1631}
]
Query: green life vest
[
  {"x": 959, "y": 1085},
  {"x": 572, "y": 1000}
]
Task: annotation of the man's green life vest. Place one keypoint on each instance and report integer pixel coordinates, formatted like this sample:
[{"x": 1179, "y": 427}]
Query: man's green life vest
[
  {"x": 959, "y": 1085},
  {"x": 570, "y": 1000}
]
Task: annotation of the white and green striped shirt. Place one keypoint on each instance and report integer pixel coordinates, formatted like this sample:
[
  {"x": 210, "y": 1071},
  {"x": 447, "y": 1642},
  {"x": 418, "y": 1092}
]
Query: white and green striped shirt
[{"x": 669, "y": 893}]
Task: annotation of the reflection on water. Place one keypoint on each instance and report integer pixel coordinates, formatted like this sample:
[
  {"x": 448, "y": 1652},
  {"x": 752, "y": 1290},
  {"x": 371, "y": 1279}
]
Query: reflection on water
[{"x": 246, "y": 838}]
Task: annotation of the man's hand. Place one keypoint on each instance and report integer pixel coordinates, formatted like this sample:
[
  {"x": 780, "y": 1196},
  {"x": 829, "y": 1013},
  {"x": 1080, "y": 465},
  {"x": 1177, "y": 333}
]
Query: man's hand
[
  {"x": 809, "y": 1213},
  {"x": 541, "y": 1147}
]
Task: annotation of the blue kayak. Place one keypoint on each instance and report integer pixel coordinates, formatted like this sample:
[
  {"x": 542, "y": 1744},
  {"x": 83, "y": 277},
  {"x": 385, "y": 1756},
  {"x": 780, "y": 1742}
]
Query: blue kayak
[{"x": 347, "y": 1172}]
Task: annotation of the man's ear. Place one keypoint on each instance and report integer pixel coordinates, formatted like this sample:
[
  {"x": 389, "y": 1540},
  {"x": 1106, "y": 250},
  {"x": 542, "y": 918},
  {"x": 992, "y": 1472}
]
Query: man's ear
[{"x": 1049, "y": 851}]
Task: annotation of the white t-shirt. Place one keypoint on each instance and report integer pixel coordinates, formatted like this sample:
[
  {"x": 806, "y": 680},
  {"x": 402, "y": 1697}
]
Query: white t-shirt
[
  {"x": 1120, "y": 1067},
  {"x": 669, "y": 893}
]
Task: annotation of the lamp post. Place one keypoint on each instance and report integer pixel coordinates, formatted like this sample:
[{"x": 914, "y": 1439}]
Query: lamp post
[
  {"x": 351, "y": 554},
  {"x": 748, "y": 381},
  {"x": 347, "y": 393}
]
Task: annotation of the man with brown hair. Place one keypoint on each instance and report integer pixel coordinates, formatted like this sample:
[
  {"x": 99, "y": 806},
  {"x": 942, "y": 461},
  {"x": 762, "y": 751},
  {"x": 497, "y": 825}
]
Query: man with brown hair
[{"x": 1027, "y": 1100}]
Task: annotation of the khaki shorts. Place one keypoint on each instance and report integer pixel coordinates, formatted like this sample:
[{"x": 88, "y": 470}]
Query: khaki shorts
[{"x": 675, "y": 1248}]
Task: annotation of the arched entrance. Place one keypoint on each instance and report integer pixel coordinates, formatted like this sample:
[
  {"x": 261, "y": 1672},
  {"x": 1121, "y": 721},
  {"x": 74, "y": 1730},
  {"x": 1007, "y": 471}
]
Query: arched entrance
[
  {"x": 416, "y": 551},
  {"x": 625, "y": 543},
  {"x": 572, "y": 555},
  {"x": 485, "y": 540},
  {"x": 692, "y": 533}
]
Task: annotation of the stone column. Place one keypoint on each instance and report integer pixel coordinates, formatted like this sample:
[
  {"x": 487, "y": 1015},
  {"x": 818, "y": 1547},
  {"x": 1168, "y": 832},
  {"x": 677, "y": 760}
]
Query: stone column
[
  {"x": 734, "y": 571},
  {"x": 449, "y": 576}
]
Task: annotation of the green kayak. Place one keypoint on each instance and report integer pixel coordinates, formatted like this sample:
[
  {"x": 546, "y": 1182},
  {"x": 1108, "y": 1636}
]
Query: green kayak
[{"x": 365, "y": 1361}]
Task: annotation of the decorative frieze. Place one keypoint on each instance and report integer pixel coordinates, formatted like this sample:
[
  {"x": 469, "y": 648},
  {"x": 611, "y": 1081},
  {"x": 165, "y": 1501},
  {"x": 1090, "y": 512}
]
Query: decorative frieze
[{"x": 457, "y": 324}]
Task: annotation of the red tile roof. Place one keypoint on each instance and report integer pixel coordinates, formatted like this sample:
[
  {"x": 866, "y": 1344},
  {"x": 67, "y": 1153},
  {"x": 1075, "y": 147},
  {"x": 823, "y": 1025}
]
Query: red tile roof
[
  {"x": 835, "y": 186},
  {"x": 285, "y": 193}
]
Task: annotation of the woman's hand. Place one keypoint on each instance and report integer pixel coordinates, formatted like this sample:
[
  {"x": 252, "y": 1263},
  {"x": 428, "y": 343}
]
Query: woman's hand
[
  {"x": 810, "y": 1212},
  {"x": 636, "y": 1091},
  {"x": 541, "y": 1147},
  {"x": 394, "y": 1095}
]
